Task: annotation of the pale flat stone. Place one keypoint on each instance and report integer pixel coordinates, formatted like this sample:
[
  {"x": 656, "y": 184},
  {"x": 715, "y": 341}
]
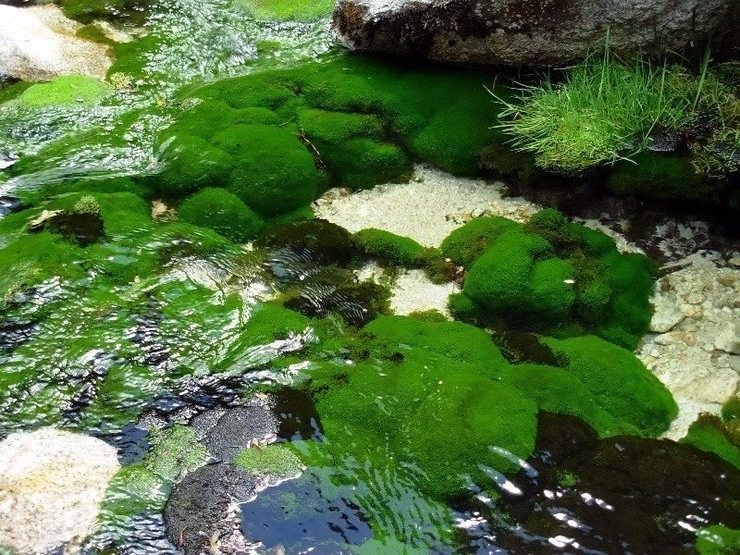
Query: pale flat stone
[
  {"x": 51, "y": 486},
  {"x": 39, "y": 43}
]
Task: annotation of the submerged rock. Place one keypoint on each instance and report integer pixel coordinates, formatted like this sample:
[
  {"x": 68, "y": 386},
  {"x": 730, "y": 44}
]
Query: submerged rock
[
  {"x": 39, "y": 43},
  {"x": 51, "y": 485},
  {"x": 522, "y": 31}
]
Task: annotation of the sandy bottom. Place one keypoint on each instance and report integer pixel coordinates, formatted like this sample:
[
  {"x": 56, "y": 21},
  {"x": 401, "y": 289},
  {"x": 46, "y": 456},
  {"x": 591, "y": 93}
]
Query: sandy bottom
[{"x": 694, "y": 345}]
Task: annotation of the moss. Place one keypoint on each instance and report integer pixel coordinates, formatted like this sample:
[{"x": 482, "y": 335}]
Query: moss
[
  {"x": 463, "y": 308},
  {"x": 191, "y": 163},
  {"x": 618, "y": 382},
  {"x": 284, "y": 10},
  {"x": 658, "y": 175},
  {"x": 274, "y": 173},
  {"x": 717, "y": 540},
  {"x": 276, "y": 460},
  {"x": 559, "y": 391},
  {"x": 223, "y": 212},
  {"x": 94, "y": 33},
  {"x": 467, "y": 243},
  {"x": 74, "y": 90},
  {"x": 710, "y": 434},
  {"x": 145, "y": 486},
  {"x": 336, "y": 128},
  {"x": 506, "y": 162},
  {"x": 731, "y": 409},
  {"x": 389, "y": 248},
  {"x": 509, "y": 278},
  {"x": 270, "y": 322},
  {"x": 360, "y": 163},
  {"x": 13, "y": 90},
  {"x": 132, "y": 58}
]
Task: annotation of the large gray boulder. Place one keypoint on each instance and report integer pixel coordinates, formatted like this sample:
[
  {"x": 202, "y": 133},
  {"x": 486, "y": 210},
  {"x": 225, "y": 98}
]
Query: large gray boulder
[{"x": 525, "y": 31}]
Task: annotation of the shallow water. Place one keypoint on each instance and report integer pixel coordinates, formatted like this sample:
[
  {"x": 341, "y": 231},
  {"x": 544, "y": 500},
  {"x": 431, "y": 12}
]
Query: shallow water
[{"x": 177, "y": 347}]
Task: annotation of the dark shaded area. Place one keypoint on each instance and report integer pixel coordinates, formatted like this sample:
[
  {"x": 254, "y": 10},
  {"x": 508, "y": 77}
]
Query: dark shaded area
[
  {"x": 617, "y": 495},
  {"x": 312, "y": 240},
  {"x": 296, "y": 414},
  {"x": 81, "y": 228}
]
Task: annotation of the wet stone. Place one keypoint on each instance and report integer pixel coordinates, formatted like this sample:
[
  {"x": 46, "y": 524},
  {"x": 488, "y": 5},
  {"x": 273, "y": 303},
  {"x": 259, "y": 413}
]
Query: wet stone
[
  {"x": 313, "y": 240},
  {"x": 198, "y": 514},
  {"x": 238, "y": 429}
]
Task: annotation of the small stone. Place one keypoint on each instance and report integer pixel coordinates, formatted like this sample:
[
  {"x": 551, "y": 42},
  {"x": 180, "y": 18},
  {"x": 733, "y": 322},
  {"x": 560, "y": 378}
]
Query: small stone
[
  {"x": 667, "y": 315},
  {"x": 728, "y": 340}
]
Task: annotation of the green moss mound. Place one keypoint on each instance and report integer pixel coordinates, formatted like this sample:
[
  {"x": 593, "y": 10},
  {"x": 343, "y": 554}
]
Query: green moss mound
[
  {"x": 618, "y": 382},
  {"x": 467, "y": 243},
  {"x": 389, "y": 247},
  {"x": 551, "y": 276},
  {"x": 349, "y": 121},
  {"x": 223, "y": 212},
  {"x": 285, "y": 10},
  {"x": 69, "y": 90},
  {"x": 277, "y": 460},
  {"x": 710, "y": 434}
]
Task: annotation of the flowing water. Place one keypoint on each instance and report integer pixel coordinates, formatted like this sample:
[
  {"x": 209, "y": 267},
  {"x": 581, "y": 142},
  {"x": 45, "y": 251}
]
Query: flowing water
[{"x": 146, "y": 332}]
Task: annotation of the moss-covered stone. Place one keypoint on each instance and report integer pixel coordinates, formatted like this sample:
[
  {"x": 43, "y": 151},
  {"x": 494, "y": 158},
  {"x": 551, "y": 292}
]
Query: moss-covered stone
[
  {"x": 618, "y": 382},
  {"x": 273, "y": 172},
  {"x": 276, "y": 460},
  {"x": 222, "y": 212},
  {"x": 389, "y": 248},
  {"x": 467, "y": 243},
  {"x": 71, "y": 90},
  {"x": 710, "y": 434},
  {"x": 191, "y": 163}
]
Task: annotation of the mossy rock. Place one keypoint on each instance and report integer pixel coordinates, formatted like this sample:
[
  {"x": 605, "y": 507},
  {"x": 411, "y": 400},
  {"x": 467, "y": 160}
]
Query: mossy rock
[
  {"x": 223, "y": 212},
  {"x": 86, "y": 11},
  {"x": 317, "y": 240},
  {"x": 519, "y": 274},
  {"x": 551, "y": 276},
  {"x": 191, "y": 163},
  {"x": 710, "y": 434},
  {"x": 273, "y": 172},
  {"x": 618, "y": 382},
  {"x": 69, "y": 90},
  {"x": 467, "y": 243},
  {"x": 389, "y": 248},
  {"x": 276, "y": 460}
]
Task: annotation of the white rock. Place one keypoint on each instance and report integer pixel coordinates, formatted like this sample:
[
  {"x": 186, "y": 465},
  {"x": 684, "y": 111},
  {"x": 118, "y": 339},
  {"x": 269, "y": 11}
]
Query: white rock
[
  {"x": 413, "y": 292},
  {"x": 51, "y": 486},
  {"x": 667, "y": 314},
  {"x": 728, "y": 339},
  {"x": 39, "y": 43}
]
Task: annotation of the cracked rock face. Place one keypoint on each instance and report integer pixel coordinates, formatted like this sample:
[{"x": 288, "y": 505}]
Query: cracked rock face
[
  {"x": 51, "y": 485},
  {"x": 523, "y": 31}
]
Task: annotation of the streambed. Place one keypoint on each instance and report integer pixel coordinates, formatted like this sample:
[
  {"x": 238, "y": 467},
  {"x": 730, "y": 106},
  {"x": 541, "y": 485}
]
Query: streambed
[{"x": 274, "y": 279}]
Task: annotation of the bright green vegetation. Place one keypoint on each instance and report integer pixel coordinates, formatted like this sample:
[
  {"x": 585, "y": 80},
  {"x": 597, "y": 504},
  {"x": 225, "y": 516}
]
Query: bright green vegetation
[
  {"x": 440, "y": 396},
  {"x": 605, "y": 110},
  {"x": 551, "y": 275},
  {"x": 717, "y": 540},
  {"x": 145, "y": 486},
  {"x": 222, "y": 212},
  {"x": 277, "y": 139},
  {"x": 301, "y": 10},
  {"x": 277, "y": 460},
  {"x": 67, "y": 90},
  {"x": 710, "y": 433},
  {"x": 389, "y": 247}
]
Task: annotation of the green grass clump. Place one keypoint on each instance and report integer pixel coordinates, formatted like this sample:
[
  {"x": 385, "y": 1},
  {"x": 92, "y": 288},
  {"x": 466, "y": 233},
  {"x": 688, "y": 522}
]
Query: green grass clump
[
  {"x": 389, "y": 248},
  {"x": 717, "y": 540},
  {"x": 223, "y": 212},
  {"x": 67, "y": 90},
  {"x": 605, "y": 110},
  {"x": 618, "y": 382},
  {"x": 710, "y": 434},
  {"x": 286, "y": 10}
]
